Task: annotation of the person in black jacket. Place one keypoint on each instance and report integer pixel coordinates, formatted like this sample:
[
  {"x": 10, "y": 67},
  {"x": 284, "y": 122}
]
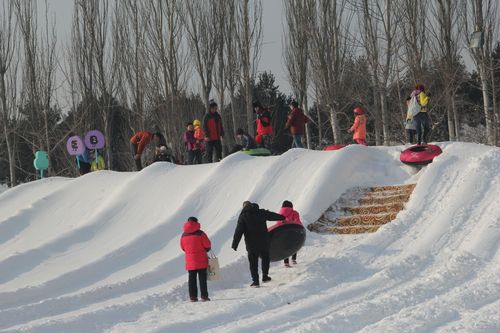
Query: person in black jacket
[{"x": 252, "y": 224}]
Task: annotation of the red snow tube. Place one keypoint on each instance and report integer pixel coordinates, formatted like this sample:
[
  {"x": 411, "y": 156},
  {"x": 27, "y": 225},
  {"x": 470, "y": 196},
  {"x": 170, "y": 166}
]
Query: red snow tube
[
  {"x": 334, "y": 147},
  {"x": 420, "y": 154}
]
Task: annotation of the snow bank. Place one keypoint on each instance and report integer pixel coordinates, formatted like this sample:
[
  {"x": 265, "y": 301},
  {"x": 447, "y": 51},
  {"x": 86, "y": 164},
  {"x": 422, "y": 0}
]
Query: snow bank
[{"x": 100, "y": 252}]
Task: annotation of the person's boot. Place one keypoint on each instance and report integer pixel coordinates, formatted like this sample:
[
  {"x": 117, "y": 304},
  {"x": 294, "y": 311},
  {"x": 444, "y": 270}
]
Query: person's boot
[
  {"x": 205, "y": 299},
  {"x": 266, "y": 278},
  {"x": 193, "y": 299},
  {"x": 255, "y": 285}
]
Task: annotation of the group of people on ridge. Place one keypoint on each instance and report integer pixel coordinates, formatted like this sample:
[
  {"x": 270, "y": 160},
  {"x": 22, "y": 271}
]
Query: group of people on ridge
[
  {"x": 205, "y": 137},
  {"x": 252, "y": 224}
]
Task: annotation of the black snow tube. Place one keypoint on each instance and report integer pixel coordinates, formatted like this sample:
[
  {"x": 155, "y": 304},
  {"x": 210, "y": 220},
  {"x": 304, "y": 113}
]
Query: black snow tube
[{"x": 286, "y": 239}]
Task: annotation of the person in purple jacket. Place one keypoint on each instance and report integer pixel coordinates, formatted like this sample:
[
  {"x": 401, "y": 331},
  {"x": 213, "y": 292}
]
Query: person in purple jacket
[{"x": 191, "y": 146}]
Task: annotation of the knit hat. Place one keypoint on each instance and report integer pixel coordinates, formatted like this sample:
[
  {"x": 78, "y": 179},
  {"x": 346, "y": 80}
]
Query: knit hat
[
  {"x": 212, "y": 103},
  {"x": 256, "y": 104},
  {"x": 420, "y": 87},
  {"x": 246, "y": 203},
  {"x": 192, "y": 219},
  {"x": 294, "y": 103},
  {"x": 287, "y": 203},
  {"x": 358, "y": 110},
  {"x": 196, "y": 122}
]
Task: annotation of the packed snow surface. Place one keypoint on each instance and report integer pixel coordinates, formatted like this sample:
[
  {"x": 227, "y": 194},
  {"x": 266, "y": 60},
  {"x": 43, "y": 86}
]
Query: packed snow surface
[{"x": 100, "y": 253}]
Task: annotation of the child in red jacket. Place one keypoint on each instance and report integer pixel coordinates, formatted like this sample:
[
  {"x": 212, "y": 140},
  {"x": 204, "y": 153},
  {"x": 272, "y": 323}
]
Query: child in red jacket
[
  {"x": 291, "y": 217},
  {"x": 196, "y": 244}
]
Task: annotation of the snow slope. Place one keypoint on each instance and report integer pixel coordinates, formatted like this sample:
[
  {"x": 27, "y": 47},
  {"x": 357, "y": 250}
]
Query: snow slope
[{"x": 100, "y": 253}]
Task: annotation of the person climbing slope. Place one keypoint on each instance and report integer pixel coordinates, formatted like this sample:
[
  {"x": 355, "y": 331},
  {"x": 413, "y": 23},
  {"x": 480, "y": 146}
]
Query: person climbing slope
[
  {"x": 252, "y": 224},
  {"x": 291, "y": 217}
]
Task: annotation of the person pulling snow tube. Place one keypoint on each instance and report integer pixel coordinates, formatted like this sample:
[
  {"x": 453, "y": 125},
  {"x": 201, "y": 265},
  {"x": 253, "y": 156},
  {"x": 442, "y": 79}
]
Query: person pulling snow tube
[
  {"x": 334, "y": 147},
  {"x": 420, "y": 154},
  {"x": 258, "y": 152},
  {"x": 285, "y": 240}
]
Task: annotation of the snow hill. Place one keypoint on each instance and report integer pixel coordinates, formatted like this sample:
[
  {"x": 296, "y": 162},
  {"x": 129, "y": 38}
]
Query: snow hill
[{"x": 100, "y": 253}]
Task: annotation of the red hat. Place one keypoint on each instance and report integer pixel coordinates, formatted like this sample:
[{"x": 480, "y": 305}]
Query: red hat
[
  {"x": 358, "y": 110},
  {"x": 420, "y": 87}
]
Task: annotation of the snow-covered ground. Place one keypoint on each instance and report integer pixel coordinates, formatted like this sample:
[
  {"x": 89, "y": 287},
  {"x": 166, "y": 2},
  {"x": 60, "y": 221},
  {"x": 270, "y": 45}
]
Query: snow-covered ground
[{"x": 100, "y": 253}]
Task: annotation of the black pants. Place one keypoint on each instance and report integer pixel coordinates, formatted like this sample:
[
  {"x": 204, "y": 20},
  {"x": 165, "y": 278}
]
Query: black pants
[
  {"x": 423, "y": 127},
  {"x": 294, "y": 257},
  {"x": 193, "y": 157},
  {"x": 411, "y": 135},
  {"x": 202, "y": 277},
  {"x": 84, "y": 168},
  {"x": 138, "y": 163},
  {"x": 253, "y": 259},
  {"x": 212, "y": 146}
]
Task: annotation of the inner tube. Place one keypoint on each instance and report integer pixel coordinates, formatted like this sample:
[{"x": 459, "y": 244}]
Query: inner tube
[
  {"x": 258, "y": 152},
  {"x": 420, "y": 154},
  {"x": 334, "y": 147},
  {"x": 285, "y": 240}
]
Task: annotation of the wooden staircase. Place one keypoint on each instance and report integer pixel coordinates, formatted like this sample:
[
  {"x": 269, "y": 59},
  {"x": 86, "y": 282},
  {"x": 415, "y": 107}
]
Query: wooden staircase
[{"x": 363, "y": 210}]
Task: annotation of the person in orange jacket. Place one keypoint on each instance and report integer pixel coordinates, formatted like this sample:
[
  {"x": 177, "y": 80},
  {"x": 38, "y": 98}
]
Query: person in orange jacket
[
  {"x": 139, "y": 141},
  {"x": 200, "y": 138},
  {"x": 359, "y": 126}
]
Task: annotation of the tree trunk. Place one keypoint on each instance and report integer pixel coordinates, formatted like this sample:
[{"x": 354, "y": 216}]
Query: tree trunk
[
  {"x": 335, "y": 125},
  {"x": 385, "y": 122},
  {"x": 376, "y": 113},
  {"x": 8, "y": 142},
  {"x": 486, "y": 105},
  {"x": 450, "y": 116},
  {"x": 455, "y": 118}
]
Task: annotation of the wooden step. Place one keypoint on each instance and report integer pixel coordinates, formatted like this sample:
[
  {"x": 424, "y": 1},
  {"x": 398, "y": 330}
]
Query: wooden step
[
  {"x": 363, "y": 220},
  {"x": 380, "y": 194},
  {"x": 393, "y": 188},
  {"x": 353, "y": 230},
  {"x": 375, "y": 209},
  {"x": 366, "y": 201}
]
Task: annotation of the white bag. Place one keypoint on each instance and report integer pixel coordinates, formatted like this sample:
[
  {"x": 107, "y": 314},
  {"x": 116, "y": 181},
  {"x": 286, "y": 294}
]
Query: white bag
[
  {"x": 413, "y": 108},
  {"x": 213, "y": 271}
]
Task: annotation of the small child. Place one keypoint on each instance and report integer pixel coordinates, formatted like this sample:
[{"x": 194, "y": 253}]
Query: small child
[
  {"x": 246, "y": 142},
  {"x": 359, "y": 126},
  {"x": 195, "y": 243},
  {"x": 291, "y": 217}
]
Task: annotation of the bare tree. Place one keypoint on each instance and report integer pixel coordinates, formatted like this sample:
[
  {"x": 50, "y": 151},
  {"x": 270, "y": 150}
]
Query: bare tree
[
  {"x": 445, "y": 34},
  {"x": 167, "y": 66},
  {"x": 330, "y": 48},
  {"x": 379, "y": 22},
  {"x": 131, "y": 18},
  {"x": 8, "y": 79},
  {"x": 93, "y": 44},
  {"x": 39, "y": 64},
  {"x": 481, "y": 17},
  {"x": 203, "y": 40},
  {"x": 232, "y": 64},
  {"x": 413, "y": 31},
  {"x": 299, "y": 15},
  {"x": 249, "y": 40}
]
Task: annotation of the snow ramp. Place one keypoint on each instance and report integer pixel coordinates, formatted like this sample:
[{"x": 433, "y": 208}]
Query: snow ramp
[{"x": 100, "y": 253}]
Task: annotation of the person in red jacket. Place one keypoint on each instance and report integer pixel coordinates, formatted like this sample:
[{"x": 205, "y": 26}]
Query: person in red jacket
[
  {"x": 139, "y": 141},
  {"x": 291, "y": 217},
  {"x": 359, "y": 127},
  {"x": 195, "y": 243},
  {"x": 264, "y": 131},
  {"x": 212, "y": 126},
  {"x": 296, "y": 124}
]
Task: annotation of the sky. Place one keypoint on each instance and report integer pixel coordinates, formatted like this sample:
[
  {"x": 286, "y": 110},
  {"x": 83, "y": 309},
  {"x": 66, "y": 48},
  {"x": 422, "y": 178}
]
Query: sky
[{"x": 271, "y": 57}]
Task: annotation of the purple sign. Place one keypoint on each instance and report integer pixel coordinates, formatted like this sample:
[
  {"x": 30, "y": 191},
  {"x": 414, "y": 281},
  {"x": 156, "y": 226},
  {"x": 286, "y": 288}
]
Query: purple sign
[
  {"x": 94, "y": 139},
  {"x": 75, "y": 145}
]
